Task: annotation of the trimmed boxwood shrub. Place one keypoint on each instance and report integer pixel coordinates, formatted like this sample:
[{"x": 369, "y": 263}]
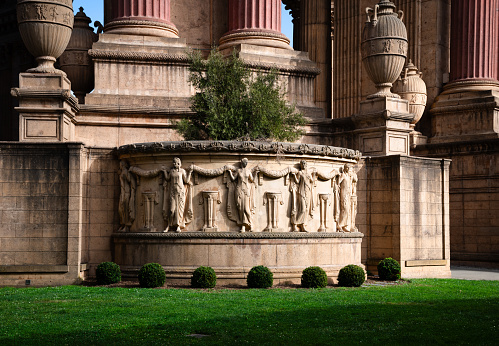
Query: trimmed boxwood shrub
[
  {"x": 351, "y": 276},
  {"x": 389, "y": 269},
  {"x": 108, "y": 273},
  {"x": 204, "y": 277},
  {"x": 313, "y": 277},
  {"x": 152, "y": 275},
  {"x": 260, "y": 277}
]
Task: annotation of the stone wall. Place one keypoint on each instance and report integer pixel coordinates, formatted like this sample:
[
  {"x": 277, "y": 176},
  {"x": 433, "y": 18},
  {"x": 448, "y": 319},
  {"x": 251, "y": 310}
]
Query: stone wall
[
  {"x": 474, "y": 200},
  {"x": 406, "y": 214},
  {"x": 40, "y": 213}
]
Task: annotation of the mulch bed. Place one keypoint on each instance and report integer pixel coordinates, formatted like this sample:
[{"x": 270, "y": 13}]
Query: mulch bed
[{"x": 371, "y": 281}]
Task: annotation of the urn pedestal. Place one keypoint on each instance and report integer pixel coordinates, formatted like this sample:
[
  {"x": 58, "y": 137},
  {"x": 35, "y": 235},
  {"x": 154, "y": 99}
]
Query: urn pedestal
[{"x": 46, "y": 108}]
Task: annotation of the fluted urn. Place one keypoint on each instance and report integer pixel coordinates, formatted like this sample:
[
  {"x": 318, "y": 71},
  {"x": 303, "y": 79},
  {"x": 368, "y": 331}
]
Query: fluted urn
[
  {"x": 45, "y": 27},
  {"x": 411, "y": 87},
  {"x": 384, "y": 46},
  {"x": 75, "y": 60}
]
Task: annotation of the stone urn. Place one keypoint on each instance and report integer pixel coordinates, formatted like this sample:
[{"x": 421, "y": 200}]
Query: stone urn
[
  {"x": 75, "y": 60},
  {"x": 411, "y": 87},
  {"x": 45, "y": 28},
  {"x": 384, "y": 46}
]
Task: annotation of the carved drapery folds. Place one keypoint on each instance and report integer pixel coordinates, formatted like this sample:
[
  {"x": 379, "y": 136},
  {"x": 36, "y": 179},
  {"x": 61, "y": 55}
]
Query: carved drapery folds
[{"x": 236, "y": 197}]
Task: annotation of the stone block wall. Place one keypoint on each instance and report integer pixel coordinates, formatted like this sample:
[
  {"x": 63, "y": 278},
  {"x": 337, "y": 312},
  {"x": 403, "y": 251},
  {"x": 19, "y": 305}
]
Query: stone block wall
[
  {"x": 474, "y": 200},
  {"x": 406, "y": 214},
  {"x": 40, "y": 216}
]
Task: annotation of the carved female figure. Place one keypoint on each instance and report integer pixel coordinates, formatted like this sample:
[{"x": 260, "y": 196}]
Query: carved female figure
[
  {"x": 347, "y": 182},
  {"x": 178, "y": 178},
  {"x": 243, "y": 194},
  {"x": 126, "y": 207},
  {"x": 304, "y": 198}
]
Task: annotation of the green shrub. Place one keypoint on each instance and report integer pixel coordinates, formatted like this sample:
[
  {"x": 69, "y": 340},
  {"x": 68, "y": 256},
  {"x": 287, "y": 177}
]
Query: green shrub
[
  {"x": 233, "y": 102},
  {"x": 313, "y": 277},
  {"x": 204, "y": 277},
  {"x": 351, "y": 276},
  {"x": 389, "y": 269},
  {"x": 108, "y": 273},
  {"x": 152, "y": 275},
  {"x": 260, "y": 277}
]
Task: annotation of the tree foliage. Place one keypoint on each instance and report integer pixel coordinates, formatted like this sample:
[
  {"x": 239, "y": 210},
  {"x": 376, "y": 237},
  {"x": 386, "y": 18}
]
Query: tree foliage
[{"x": 233, "y": 102}]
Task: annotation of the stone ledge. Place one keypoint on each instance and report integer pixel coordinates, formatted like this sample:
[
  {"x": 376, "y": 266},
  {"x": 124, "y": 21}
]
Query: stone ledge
[
  {"x": 34, "y": 269},
  {"x": 424, "y": 263},
  {"x": 234, "y": 235}
]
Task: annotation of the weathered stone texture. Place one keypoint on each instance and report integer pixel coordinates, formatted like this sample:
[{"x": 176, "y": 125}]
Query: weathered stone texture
[
  {"x": 39, "y": 215},
  {"x": 407, "y": 214}
]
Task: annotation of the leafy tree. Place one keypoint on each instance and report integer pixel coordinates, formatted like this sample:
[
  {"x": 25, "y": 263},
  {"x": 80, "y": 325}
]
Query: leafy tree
[{"x": 232, "y": 102}]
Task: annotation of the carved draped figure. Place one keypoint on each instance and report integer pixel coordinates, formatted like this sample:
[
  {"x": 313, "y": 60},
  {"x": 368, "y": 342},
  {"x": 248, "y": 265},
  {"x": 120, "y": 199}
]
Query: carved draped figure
[
  {"x": 347, "y": 189},
  {"x": 244, "y": 195},
  {"x": 126, "y": 206},
  {"x": 303, "y": 210},
  {"x": 178, "y": 195}
]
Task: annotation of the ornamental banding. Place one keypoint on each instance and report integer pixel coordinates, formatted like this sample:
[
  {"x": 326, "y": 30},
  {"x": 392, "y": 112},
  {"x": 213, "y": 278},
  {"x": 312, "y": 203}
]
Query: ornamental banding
[{"x": 239, "y": 197}]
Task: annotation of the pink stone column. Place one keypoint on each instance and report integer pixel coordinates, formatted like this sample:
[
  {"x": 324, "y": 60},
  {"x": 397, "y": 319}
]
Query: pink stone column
[
  {"x": 139, "y": 17},
  {"x": 474, "y": 41},
  {"x": 256, "y": 22}
]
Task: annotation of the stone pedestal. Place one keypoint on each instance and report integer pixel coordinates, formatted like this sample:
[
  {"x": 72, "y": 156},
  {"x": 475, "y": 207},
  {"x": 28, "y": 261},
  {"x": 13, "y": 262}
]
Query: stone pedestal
[
  {"x": 382, "y": 127},
  {"x": 46, "y": 108},
  {"x": 256, "y": 22},
  {"x": 295, "y": 69},
  {"x": 139, "y": 17}
]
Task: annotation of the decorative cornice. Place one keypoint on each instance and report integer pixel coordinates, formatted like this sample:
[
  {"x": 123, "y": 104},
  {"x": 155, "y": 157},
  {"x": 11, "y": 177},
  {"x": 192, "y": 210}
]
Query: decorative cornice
[
  {"x": 237, "y": 235},
  {"x": 64, "y": 94},
  {"x": 283, "y": 68},
  {"x": 139, "y": 56},
  {"x": 241, "y": 147}
]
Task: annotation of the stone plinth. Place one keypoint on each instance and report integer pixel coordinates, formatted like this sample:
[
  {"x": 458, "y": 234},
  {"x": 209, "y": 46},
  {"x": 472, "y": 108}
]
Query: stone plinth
[
  {"x": 256, "y": 22},
  {"x": 232, "y": 255},
  {"x": 141, "y": 84},
  {"x": 296, "y": 72},
  {"x": 382, "y": 127},
  {"x": 139, "y": 17},
  {"x": 408, "y": 214},
  {"x": 253, "y": 207},
  {"x": 46, "y": 108}
]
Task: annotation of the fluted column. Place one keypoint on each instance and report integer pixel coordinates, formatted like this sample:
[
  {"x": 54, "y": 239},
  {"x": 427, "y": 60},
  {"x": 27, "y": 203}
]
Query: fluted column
[
  {"x": 474, "y": 41},
  {"x": 315, "y": 19},
  {"x": 139, "y": 17},
  {"x": 255, "y": 22}
]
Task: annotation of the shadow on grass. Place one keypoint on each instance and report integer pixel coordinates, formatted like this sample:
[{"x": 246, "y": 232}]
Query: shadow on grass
[{"x": 456, "y": 321}]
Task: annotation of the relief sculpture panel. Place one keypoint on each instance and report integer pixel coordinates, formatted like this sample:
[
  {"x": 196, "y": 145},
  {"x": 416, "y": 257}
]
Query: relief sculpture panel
[{"x": 237, "y": 194}]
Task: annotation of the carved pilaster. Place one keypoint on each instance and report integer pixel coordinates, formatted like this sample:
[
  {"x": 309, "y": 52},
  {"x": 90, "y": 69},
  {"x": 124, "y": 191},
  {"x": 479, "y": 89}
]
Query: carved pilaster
[
  {"x": 272, "y": 200},
  {"x": 210, "y": 214},
  {"x": 149, "y": 200},
  {"x": 324, "y": 203}
]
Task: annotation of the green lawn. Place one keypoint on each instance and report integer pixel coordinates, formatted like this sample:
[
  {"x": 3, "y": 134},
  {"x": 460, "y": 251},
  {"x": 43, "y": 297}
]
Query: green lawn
[{"x": 421, "y": 312}]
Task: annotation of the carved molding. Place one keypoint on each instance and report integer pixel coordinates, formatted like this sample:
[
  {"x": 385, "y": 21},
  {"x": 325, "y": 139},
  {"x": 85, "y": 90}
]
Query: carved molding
[
  {"x": 232, "y": 235},
  {"x": 182, "y": 59},
  {"x": 240, "y": 147}
]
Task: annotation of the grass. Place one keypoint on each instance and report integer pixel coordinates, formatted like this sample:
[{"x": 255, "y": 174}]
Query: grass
[{"x": 422, "y": 312}]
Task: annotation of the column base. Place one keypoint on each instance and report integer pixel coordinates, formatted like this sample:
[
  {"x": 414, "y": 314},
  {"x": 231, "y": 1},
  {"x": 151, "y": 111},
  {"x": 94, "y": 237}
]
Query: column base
[
  {"x": 141, "y": 27},
  {"x": 257, "y": 38},
  {"x": 467, "y": 110}
]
